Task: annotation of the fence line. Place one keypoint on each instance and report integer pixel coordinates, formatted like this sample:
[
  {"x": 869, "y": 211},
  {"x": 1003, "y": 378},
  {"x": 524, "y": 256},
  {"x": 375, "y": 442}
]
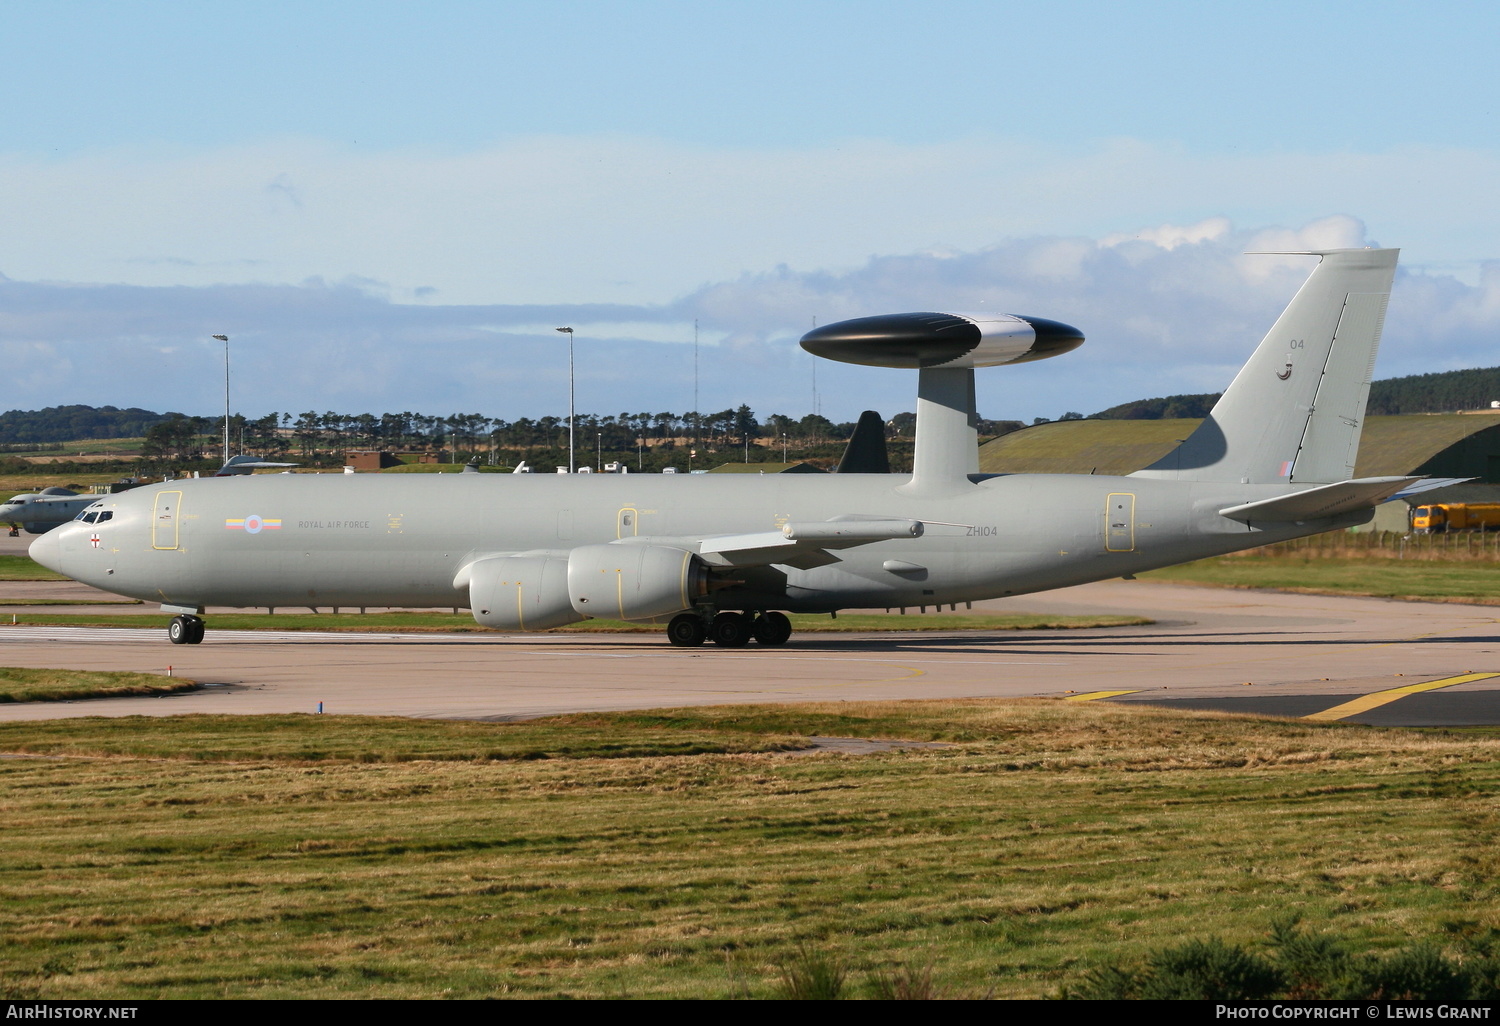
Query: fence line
[{"x": 1445, "y": 546}]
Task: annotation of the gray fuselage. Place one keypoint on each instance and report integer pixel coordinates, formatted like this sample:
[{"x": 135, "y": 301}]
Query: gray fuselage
[{"x": 382, "y": 540}]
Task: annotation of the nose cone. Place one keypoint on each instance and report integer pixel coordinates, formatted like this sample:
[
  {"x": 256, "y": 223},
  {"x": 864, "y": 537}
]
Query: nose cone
[{"x": 47, "y": 550}]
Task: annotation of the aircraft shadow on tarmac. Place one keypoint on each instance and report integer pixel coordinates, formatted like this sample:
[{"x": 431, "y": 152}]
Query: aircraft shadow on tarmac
[
  {"x": 976, "y": 643},
  {"x": 984, "y": 641},
  {"x": 937, "y": 641},
  {"x": 1078, "y": 641}
]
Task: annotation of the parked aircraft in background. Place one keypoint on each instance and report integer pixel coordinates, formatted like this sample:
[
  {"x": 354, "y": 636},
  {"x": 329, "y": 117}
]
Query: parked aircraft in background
[
  {"x": 239, "y": 466},
  {"x": 724, "y": 557},
  {"x": 41, "y": 511}
]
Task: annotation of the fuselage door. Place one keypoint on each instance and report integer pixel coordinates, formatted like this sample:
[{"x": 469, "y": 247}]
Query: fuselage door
[
  {"x": 627, "y": 522},
  {"x": 1119, "y": 522},
  {"x": 164, "y": 519}
]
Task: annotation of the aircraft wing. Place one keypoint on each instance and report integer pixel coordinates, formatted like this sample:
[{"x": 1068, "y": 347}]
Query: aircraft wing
[
  {"x": 1323, "y": 501},
  {"x": 803, "y": 545}
]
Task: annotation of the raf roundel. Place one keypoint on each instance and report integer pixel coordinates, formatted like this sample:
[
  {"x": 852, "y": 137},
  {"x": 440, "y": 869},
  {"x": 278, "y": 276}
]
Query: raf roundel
[{"x": 253, "y": 524}]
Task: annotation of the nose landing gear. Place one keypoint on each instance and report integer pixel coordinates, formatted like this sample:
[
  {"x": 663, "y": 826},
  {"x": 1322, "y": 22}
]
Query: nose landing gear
[{"x": 185, "y": 630}]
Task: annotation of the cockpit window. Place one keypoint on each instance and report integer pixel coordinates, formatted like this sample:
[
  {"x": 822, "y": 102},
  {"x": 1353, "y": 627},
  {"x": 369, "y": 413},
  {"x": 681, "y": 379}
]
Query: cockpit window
[{"x": 95, "y": 514}]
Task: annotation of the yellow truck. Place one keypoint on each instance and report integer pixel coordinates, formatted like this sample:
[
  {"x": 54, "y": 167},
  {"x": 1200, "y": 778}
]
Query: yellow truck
[{"x": 1456, "y": 516}]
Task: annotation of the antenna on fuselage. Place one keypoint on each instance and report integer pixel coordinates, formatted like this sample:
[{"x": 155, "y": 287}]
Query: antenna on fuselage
[{"x": 944, "y": 349}]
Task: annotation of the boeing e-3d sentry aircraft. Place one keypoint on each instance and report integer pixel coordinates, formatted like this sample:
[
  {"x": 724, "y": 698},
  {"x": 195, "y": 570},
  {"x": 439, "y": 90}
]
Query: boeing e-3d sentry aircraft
[{"x": 722, "y": 558}]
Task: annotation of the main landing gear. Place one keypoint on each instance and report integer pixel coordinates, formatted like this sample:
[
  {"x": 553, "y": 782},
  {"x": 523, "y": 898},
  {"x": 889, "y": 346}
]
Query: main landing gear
[
  {"x": 729, "y": 629},
  {"x": 185, "y": 630}
]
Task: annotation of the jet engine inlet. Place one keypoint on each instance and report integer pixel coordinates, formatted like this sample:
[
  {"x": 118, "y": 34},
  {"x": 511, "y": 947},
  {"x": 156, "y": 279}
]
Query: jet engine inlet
[{"x": 521, "y": 593}]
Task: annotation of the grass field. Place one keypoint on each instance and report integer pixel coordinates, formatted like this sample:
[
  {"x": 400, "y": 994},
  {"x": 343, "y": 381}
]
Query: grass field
[
  {"x": 678, "y": 854},
  {"x": 48, "y": 475},
  {"x": 29, "y": 685},
  {"x": 1429, "y": 580},
  {"x": 24, "y": 568}
]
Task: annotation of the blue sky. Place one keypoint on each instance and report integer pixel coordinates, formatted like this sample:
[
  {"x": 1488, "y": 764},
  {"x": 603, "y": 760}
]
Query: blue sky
[{"x": 387, "y": 205}]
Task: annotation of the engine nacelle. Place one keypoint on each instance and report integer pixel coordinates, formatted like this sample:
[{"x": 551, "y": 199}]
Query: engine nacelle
[
  {"x": 521, "y": 593},
  {"x": 634, "y": 582}
]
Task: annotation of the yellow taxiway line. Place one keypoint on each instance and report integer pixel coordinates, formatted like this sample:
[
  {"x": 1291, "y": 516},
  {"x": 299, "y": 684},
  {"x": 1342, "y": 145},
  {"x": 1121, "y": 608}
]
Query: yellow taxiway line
[
  {"x": 1090, "y": 696},
  {"x": 1365, "y": 703}
]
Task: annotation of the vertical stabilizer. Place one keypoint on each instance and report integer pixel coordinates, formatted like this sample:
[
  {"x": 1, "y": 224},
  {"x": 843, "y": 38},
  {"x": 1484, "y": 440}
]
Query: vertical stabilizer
[
  {"x": 866, "y": 452},
  {"x": 1294, "y": 412}
]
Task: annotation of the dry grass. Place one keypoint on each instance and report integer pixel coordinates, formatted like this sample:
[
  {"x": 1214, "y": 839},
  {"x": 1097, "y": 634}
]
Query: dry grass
[
  {"x": 1472, "y": 582},
  {"x": 1051, "y": 837}
]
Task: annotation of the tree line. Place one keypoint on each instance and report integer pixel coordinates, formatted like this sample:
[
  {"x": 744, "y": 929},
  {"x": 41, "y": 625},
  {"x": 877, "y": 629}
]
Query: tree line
[
  {"x": 186, "y": 436},
  {"x": 74, "y": 423}
]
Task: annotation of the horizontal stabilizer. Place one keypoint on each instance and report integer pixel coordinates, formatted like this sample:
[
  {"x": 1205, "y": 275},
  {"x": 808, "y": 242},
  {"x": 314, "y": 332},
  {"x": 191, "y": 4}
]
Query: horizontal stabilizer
[
  {"x": 1324, "y": 501},
  {"x": 1430, "y": 484}
]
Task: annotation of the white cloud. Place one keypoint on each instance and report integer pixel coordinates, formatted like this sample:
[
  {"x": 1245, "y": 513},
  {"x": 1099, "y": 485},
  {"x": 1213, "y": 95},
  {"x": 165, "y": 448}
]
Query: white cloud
[
  {"x": 1170, "y": 236},
  {"x": 1169, "y": 309}
]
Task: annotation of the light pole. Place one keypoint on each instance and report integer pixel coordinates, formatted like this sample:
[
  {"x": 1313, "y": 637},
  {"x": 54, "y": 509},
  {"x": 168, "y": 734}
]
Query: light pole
[
  {"x": 225, "y": 339},
  {"x": 572, "y": 467}
]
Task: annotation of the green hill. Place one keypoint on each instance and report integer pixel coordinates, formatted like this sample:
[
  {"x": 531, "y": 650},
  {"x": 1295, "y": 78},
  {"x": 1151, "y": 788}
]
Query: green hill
[{"x": 1438, "y": 392}]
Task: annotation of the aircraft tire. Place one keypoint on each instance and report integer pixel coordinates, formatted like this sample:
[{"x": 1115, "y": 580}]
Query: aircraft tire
[
  {"x": 195, "y": 637},
  {"x": 772, "y": 628},
  {"x": 180, "y": 630},
  {"x": 686, "y": 630},
  {"x": 730, "y": 630}
]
